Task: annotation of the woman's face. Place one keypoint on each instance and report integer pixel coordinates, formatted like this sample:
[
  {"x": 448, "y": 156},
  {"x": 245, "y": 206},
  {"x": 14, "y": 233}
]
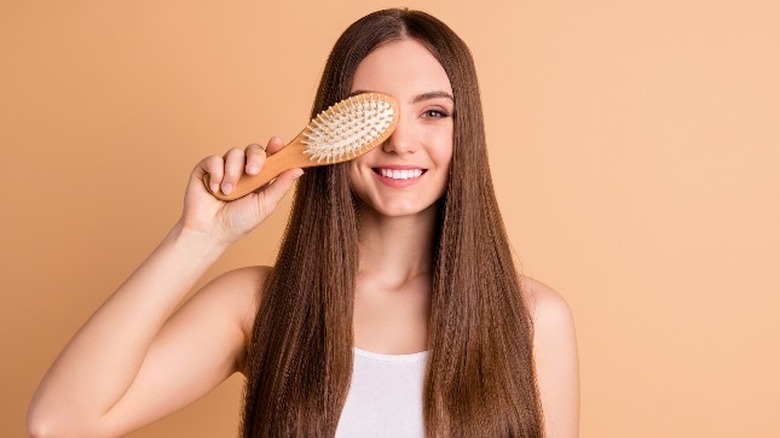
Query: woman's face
[{"x": 408, "y": 173}]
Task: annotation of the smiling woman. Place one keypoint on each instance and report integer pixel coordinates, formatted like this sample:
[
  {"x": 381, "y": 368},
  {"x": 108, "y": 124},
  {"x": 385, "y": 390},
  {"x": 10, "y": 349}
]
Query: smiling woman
[
  {"x": 408, "y": 173},
  {"x": 394, "y": 307}
]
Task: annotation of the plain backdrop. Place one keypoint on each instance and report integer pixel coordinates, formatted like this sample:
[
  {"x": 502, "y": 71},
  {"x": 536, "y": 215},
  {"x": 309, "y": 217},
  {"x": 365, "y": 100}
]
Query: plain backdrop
[{"x": 634, "y": 148}]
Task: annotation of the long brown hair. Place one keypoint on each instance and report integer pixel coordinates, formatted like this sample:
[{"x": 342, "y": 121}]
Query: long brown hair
[{"x": 480, "y": 379}]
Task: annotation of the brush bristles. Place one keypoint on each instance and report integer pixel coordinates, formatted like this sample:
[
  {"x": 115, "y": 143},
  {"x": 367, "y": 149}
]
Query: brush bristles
[{"x": 349, "y": 128}]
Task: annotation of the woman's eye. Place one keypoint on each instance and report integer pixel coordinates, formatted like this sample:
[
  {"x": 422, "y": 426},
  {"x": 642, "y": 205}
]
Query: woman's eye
[{"x": 435, "y": 114}]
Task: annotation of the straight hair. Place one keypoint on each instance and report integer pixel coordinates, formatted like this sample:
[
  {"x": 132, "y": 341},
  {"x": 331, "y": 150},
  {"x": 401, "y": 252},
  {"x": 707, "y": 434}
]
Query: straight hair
[{"x": 480, "y": 379}]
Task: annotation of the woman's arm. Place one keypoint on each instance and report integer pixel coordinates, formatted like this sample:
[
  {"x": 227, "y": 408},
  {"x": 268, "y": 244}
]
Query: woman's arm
[
  {"x": 555, "y": 355},
  {"x": 134, "y": 360}
]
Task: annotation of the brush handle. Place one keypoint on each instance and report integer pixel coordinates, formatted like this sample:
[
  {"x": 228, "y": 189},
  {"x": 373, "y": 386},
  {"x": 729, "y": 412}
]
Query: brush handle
[
  {"x": 289, "y": 157},
  {"x": 344, "y": 131}
]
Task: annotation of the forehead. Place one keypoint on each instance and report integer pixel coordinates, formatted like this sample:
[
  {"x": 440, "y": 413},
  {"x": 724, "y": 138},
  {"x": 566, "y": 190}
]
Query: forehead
[{"x": 401, "y": 68}]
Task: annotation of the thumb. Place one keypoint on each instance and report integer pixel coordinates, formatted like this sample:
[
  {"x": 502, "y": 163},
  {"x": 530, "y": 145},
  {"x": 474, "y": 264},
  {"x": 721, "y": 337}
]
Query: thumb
[{"x": 271, "y": 195}]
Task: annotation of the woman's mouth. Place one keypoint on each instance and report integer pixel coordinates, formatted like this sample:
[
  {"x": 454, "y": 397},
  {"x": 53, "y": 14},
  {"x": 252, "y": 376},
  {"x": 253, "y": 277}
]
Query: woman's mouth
[
  {"x": 399, "y": 174},
  {"x": 399, "y": 177}
]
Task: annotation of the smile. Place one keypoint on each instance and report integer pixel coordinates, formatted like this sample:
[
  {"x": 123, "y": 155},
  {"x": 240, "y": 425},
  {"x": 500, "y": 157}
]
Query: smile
[{"x": 399, "y": 174}]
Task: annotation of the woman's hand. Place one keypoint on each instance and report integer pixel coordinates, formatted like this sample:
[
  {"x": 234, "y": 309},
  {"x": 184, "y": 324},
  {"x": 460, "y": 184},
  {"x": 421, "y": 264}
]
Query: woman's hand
[{"x": 230, "y": 221}]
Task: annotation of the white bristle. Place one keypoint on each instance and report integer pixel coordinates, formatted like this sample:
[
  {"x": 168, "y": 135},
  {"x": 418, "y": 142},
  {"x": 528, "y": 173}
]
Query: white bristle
[{"x": 348, "y": 127}]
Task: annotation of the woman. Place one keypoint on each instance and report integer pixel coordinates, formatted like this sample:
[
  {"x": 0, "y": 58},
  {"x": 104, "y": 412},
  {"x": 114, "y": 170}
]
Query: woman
[{"x": 394, "y": 308}]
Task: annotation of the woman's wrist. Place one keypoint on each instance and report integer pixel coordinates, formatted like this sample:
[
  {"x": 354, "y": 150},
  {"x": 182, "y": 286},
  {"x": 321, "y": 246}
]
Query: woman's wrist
[{"x": 197, "y": 243}]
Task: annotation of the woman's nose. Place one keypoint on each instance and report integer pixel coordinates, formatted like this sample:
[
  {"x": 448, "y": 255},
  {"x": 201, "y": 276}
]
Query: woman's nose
[{"x": 402, "y": 139}]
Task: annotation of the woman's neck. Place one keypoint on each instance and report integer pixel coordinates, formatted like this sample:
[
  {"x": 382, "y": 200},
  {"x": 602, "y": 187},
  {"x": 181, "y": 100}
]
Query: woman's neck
[{"x": 395, "y": 250}]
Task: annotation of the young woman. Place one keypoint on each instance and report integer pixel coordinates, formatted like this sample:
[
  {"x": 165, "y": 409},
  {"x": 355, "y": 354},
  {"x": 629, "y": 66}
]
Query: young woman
[{"x": 394, "y": 308}]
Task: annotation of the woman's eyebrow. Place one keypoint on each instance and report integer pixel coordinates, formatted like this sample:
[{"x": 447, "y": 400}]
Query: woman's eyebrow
[
  {"x": 417, "y": 99},
  {"x": 433, "y": 95}
]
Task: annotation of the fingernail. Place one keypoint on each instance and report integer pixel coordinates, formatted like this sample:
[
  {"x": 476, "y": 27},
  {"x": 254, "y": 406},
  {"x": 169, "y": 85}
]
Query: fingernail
[
  {"x": 227, "y": 188},
  {"x": 251, "y": 169},
  {"x": 214, "y": 188}
]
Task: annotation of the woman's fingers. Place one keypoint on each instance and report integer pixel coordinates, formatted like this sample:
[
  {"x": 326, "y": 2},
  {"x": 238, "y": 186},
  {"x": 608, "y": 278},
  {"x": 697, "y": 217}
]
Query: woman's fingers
[
  {"x": 249, "y": 160},
  {"x": 274, "y": 145},
  {"x": 224, "y": 172},
  {"x": 255, "y": 157},
  {"x": 235, "y": 162},
  {"x": 214, "y": 167}
]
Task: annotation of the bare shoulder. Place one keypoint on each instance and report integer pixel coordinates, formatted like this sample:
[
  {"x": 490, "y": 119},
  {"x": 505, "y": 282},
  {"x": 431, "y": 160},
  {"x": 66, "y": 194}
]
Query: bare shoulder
[
  {"x": 555, "y": 358},
  {"x": 547, "y": 306},
  {"x": 552, "y": 318},
  {"x": 235, "y": 293},
  {"x": 239, "y": 284}
]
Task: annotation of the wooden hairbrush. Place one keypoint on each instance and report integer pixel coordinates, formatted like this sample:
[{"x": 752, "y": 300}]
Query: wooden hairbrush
[{"x": 346, "y": 130}]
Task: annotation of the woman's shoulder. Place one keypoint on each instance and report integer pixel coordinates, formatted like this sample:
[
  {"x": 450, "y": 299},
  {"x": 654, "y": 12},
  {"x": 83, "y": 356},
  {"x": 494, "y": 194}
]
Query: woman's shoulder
[
  {"x": 238, "y": 286},
  {"x": 240, "y": 279},
  {"x": 236, "y": 293},
  {"x": 553, "y": 321},
  {"x": 546, "y": 305}
]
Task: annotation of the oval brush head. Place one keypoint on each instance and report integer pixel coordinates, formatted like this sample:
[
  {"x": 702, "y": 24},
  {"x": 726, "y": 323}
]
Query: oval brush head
[{"x": 346, "y": 130}]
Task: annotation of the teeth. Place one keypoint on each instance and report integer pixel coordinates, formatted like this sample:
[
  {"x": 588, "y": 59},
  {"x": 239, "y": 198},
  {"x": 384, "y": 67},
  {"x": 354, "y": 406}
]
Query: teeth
[{"x": 400, "y": 174}]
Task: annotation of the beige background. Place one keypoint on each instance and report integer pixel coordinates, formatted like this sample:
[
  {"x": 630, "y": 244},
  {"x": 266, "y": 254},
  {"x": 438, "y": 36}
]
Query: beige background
[{"x": 634, "y": 147}]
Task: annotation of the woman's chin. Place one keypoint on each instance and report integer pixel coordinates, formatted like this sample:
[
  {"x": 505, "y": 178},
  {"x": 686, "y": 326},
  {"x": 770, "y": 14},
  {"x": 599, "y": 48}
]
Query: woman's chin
[{"x": 397, "y": 209}]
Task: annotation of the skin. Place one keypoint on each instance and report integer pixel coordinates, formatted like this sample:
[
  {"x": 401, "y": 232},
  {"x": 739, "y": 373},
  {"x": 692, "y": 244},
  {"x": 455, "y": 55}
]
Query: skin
[{"x": 130, "y": 364}]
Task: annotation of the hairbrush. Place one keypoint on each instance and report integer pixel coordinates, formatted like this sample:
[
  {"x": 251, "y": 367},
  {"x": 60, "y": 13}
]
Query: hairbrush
[{"x": 344, "y": 131}]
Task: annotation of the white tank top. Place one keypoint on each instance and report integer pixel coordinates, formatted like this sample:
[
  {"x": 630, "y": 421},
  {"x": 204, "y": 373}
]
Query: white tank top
[{"x": 385, "y": 396}]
